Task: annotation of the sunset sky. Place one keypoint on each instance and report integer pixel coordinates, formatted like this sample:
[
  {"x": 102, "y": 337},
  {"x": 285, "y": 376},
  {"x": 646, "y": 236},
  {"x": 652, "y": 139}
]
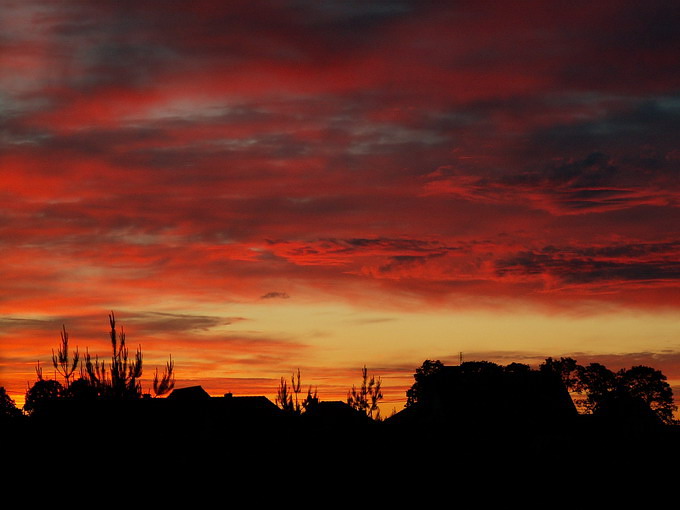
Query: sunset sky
[{"x": 255, "y": 187}]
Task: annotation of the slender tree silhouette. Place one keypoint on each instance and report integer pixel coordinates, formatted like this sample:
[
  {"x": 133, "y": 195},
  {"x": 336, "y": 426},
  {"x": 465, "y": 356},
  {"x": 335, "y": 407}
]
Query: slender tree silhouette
[
  {"x": 288, "y": 397},
  {"x": 166, "y": 382},
  {"x": 366, "y": 397},
  {"x": 121, "y": 380},
  {"x": 62, "y": 362}
]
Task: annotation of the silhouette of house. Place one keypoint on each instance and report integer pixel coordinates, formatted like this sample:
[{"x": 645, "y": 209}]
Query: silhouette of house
[
  {"x": 193, "y": 405},
  {"x": 189, "y": 393}
]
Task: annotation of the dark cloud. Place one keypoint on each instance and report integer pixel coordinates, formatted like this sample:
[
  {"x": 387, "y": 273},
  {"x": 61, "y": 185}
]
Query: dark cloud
[
  {"x": 596, "y": 183},
  {"x": 622, "y": 265},
  {"x": 401, "y": 262},
  {"x": 629, "y": 127},
  {"x": 275, "y": 295},
  {"x": 164, "y": 322}
]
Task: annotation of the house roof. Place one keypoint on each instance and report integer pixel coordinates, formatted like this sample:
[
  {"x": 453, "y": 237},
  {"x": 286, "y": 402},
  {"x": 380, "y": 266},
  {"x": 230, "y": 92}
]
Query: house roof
[{"x": 189, "y": 393}]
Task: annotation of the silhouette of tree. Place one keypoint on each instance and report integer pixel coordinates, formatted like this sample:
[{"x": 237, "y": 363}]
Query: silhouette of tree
[
  {"x": 650, "y": 386},
  {"x": 366, "y": 397},
  {"x": 640, "y": 390},
  {"x": 121, "y": 380},
  {"x": 288, "y": 399},
  {"x": 566, "y": 368},
  {"x": 517, "y": 368},
  {"x": 42, "y": 391},
  {"x": 283, "y": 397},
  {"x": 597, "y": 382},
  {"x": 80, "y": 389},
  {"x": 62, "y": 362},
  {"x": 8, "y": 408},
  {"x": 165, "y": 383},
  {"x": 422, "y": 376},
  {"x": 481, "y": 367},
  {"x": 296, "y": 388},
  {"x": 311, "y": 400}
]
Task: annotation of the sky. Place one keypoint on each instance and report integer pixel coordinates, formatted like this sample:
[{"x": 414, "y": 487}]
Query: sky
[{"x": 259, "y": 187}]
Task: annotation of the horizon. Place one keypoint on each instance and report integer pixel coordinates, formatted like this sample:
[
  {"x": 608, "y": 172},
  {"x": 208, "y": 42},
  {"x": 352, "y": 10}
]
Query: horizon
[{"x": 328, "y": 185}]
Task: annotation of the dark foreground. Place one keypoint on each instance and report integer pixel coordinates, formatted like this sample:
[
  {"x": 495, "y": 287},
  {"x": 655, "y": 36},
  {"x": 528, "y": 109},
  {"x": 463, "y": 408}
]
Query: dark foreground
[{"x": 297, "y": 453}]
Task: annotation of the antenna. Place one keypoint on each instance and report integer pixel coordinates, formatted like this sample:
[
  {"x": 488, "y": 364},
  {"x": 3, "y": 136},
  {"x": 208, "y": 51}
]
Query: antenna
[{"x": 460, "y": 359}]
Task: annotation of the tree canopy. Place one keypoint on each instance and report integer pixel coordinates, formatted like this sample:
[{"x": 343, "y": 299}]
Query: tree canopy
[
  {"x": 8, "y": 408},
  {"x": 423, "y": 374},
  {"x": 640, "y": 390}
]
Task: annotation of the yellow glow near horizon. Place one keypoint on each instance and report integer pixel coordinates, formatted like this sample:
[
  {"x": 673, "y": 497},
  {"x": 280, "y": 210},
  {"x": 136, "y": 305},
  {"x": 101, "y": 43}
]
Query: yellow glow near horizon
[{"x": 331, "y": 342}]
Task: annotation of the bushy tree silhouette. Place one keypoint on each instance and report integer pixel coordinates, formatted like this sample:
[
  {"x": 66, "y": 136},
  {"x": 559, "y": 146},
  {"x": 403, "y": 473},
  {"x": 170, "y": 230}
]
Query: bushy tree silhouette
[
  {"x": 640, "y": 390},
  {"x": 423, "y": 375},
  {"x": 42, "y": 392},
  {"x": 597, "y": 382},
  {"x": 565, "y": 368},
  {"x": 366, "y": 397},
  {"x": 8, "y": 408}
]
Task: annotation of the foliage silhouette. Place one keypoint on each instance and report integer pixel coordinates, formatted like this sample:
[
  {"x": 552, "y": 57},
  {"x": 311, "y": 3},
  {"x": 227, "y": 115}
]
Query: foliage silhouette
[
  {"x": 650, "y": 386},
  {"x": 366, "y": 397},
  {"x": 121, "y": 380},
  {"x": 165, "y": 383},
  {"x": 42, "y": 392},
  {"x": 288, "y": 397},
  {"x": 311, "y": 400},
  {"x": 80, "y": 389},
  {"x": 62, "y": 362},
  {"x": 517, "y": 368},
  {"x": 640, "y": 391},
  {"x": 423, "y": 375},
  {"x": 597, "y": 382},
  {"x": 565, "y": 368},
  {"x": 8, "y": 408}
]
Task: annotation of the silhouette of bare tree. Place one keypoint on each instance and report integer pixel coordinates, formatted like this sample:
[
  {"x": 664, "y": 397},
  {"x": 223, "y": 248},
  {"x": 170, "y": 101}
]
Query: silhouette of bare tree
[{"x": 366, "y": 397}]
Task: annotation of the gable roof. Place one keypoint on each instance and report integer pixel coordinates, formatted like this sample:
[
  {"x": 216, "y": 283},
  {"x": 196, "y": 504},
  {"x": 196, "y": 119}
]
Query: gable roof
[{"x": 189, "y": 393}]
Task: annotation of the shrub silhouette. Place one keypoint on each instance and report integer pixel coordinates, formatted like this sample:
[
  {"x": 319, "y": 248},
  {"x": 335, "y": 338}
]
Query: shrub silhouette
[{"x": 366, "y": 397}]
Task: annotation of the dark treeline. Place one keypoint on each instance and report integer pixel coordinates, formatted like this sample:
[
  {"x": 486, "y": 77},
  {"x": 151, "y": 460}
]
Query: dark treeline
[{"x": 476, "y": 410}]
